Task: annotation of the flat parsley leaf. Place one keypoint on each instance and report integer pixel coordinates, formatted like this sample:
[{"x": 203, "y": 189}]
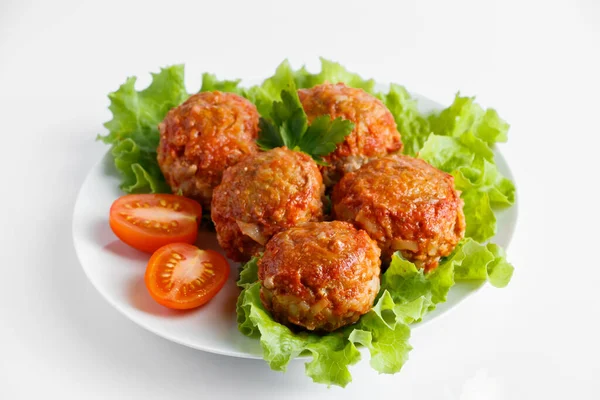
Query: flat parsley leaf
[
  {"x": 324, "y": 134},
  {"x": 289, "y": 116},
  {"x": 288, "y": 126},
  {"x": 269, "y": 137}
]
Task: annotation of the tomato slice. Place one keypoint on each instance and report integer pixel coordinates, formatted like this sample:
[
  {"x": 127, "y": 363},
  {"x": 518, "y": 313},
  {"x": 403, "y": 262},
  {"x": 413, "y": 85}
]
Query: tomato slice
[
  {"x": 182, "y": 276},
  {"x": 150, "y": 221}
]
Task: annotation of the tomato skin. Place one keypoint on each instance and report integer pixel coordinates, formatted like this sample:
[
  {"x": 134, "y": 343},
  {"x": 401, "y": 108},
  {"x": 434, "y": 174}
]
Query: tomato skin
[
  {"x": 182, "y": 276},
  {"x": 149, "y": 221}
]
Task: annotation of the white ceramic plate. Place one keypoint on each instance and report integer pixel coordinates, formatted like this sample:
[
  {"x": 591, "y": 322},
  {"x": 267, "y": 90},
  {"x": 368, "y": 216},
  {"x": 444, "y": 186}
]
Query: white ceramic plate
[{"x": 117, "y": 271}]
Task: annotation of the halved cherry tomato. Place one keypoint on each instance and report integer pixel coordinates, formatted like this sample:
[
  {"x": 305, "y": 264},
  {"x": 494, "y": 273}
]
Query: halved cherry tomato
[
  {"x": 182, "y": 276},
  {"x": 150, "y": 221}
]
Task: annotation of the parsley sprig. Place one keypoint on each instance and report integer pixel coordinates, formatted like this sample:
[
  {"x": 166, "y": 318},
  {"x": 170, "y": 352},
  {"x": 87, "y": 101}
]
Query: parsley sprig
[{"x": 288, "y": 126}]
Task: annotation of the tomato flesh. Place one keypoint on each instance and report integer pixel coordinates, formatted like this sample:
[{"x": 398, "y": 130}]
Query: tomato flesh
[
  {"x": 149, "y": 221},
  {"x": 182, "y": 276}
]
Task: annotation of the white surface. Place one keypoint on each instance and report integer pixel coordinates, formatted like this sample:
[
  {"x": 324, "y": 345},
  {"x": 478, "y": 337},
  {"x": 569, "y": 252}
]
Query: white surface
[
  {"x": 117, "y": 270},
  {"x": 536, "y": 62}
]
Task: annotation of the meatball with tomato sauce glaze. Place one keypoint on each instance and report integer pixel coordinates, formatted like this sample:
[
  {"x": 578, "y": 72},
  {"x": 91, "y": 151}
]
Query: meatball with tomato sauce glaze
[
  {"x": 406, "y": 205},
  {"x": 319, "y": 275},
  {"x": 263, "y": 194},
  {"x": 203, "y": 136},
  {"x": 374, "y": 134}
]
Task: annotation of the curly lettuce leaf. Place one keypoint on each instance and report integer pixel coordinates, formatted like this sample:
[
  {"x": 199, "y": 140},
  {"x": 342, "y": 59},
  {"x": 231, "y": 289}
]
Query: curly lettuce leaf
[
  {"x": 409, "y": 285},
  {"x": 248, "y": 277},
  {"x": 269, "y": 92},
  {"x": 499, "y": 270},
  {"x": 484, "y": 262},
  {"x": 471, "y": 161},
  {"x": 479, "y": 215},
  {"x": 413, "y": 127},
  {"x": 210, "y": 83},
  {"x": 386, "y": 338},
  {"x": 415, "y": 292},
  {"x": 138, "y": 167},
  {"x": 331, "y": 357},
  {"x": 332, "y": 72},
  {"x": 133, "y": 130},
  {"x": 465, "y": 115},
  {"x": 248, "y": 273},
  {"x": 331, "y": 354},
  {"x": 450, "y": 153},
  {"x": 406, "y": 295},
  {"x": 483, "y": 176}
]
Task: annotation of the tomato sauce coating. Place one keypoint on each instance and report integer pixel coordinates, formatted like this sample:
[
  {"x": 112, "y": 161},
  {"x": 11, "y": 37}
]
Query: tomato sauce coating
[
  {"x": 406, "y": 205},
  {"x": 199, "y": 139},
  {"x": 374, "y": 135},
  {"x": 263, "y": 194},
  {"x": 319, "y": 275}
]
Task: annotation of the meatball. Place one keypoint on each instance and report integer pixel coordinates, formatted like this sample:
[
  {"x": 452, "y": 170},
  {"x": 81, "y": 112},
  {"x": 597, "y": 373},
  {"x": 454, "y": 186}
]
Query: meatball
[
  {"x": 263, "y": 194},
  {"x": 319, "y": 275},
  {"x": 374, "y": 135},
  {"x": 199, "y": 139},
  {"x": 404, "y": 204}
]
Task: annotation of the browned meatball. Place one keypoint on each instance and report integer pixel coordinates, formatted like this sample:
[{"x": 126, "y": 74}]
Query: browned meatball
[
  {"x": 199, "y": 139},
  {"x": 319, "y": 275},
  {"x": 263, "y": 194},
  {"x": 374, "y": 135},
  {"x": 405, "y": 204}
]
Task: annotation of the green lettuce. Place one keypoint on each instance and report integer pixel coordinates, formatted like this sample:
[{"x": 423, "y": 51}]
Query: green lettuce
[
  {"x": 483, "y": 262},
  {"x": 406, "y": 295},
  {"x": 460, "y": 145},
  {"x": 331, "y": 354},
  {"x": 465, "y": 115},
  {"x": 133, "y": 130},
  {"x": 210, "y": 83},
  {"x": 471, "y": 161},
  {"x": 413, "y": 127},
  {"x": 269, "y": 91},
  {"x": 332, "y": 72}
]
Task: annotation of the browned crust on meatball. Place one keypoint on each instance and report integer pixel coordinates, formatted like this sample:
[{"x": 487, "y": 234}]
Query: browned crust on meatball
[
  {"x": 374, "y": 135},
  {"x": 320, "y": 275},
  {"x": 405, "y": 204},
  {"x": 263, "y": 194},
  {"x": 203, "y": 136}
]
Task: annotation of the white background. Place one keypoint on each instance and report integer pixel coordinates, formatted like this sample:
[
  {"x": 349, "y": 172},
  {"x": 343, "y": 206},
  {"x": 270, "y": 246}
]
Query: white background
[{"x": 536, "y": 62}]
